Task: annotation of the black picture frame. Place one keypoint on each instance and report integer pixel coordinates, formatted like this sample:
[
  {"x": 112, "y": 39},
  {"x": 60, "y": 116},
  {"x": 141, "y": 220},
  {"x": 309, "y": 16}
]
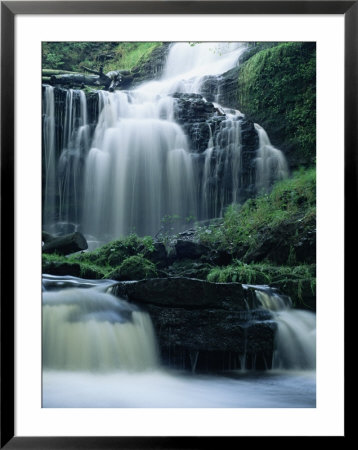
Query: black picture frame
[{"x": 9, "y": 9}]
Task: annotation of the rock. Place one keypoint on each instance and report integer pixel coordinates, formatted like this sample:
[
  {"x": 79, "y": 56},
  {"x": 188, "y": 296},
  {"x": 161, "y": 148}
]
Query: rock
[
  {"x": 189, "y": 269},
  {"x": 187, "y": 249},
  {"x": 158, "y": 256},
  {"x": 301, "y": 291},
  {"x": 61, "y": 268},
  {"x": 216, "y": 338},
  {"x": 204, "y": 326},
  {"x": 64, "y": 245},
  {"x": 293, "y": 241},
  {"x": 152, "y": 67},
  {"x": 134, "y": 268},
  {"x": 187, "y": 293}
]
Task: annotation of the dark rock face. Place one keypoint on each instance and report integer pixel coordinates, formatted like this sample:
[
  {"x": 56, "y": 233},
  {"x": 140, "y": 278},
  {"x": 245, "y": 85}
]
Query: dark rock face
[
  {"x": 151, "y": 68},
  {"x": 293, "y": 239},
  {"x": 202, "y": 121},
  {"x": 211, "y": 339},
  {"x": 223, "y": 89},
  {"x": 64, "y": 245},
  {"x": 189, "y": 249},
  {"x": 204, "y": 326},
  {"x": 199, "y": 119}
]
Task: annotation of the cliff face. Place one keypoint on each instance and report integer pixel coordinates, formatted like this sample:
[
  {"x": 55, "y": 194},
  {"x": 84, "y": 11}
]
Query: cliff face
[
  {"x": 274, "y": 85},
  {"x": 277, "y": 89}
]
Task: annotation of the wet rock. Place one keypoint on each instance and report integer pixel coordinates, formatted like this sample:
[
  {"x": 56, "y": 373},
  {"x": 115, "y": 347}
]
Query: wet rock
[
  {"x": 187, "y": 293},
  {"x": 204, "y": 326},
  {"x": 187, "y": 249},
  {"x": 293, "y": 241},
  {"x": 207, "y": 340}
]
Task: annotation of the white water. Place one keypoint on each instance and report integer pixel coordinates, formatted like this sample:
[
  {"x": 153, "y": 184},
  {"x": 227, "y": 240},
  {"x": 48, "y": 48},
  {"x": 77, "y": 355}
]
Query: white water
[
  {"x": 271, "y": 164},
  {"x": 75, "y": 147},
  {"x": 90, "y": 329},
  {"x": 49, "y": 153},
  {"x": 101, "y": 351},
  {"x": 295, "y": 340},
  {"x": 165, "y": 389},
  {"x": 139, "y": 166}
]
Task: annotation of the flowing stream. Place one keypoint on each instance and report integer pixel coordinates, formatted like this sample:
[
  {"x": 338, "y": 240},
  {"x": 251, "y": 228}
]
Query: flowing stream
[
  {"x": 124, "y": 173},
  {"x": 101, "y": 351}
]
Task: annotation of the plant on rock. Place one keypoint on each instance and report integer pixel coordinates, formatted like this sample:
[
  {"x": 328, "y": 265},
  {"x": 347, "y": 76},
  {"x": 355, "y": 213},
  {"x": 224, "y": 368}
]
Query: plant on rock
[{"x": 134, "y": 268}]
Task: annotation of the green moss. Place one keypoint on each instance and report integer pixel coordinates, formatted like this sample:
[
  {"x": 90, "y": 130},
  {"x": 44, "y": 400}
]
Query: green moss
[
  {"x": 51, "y": 263},
  {"x": 115, "y": 252},
  {"x": 277, "y": 89},
  {"x": 72, "y": 56},
  {"x": 134, "y": 268},
  {"x": 298, "y": 282},
  {"x": 291, "y": 200},
  {"x": 130, "y": 54}
]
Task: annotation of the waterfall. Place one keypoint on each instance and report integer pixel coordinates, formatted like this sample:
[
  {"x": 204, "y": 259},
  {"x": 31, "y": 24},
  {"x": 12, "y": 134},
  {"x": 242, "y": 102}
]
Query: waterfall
[
  {"x": 271, "y": 163},
  {"x": 49, "y": 155},
  {"x": 86, "y": 328},
  {"x": 295, "y": 341},
  {"x": 222, "y": 166},
  {"x": 76, "y": 142},
  {"x": 136, "y": 164}
]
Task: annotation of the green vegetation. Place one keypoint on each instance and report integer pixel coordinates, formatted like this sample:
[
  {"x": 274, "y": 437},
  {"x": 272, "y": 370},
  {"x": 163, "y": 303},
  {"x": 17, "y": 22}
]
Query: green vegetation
[
  {"x": 291, "y": 201},
  {"x": 298, "y": 282},
  {"x": 134, "y": 268},
  {"x": 115, "y": 252},
  {"x": 73, "y": 56},
  {"x": 101, "y": 262},
  {"x": 277, "y": 89}
]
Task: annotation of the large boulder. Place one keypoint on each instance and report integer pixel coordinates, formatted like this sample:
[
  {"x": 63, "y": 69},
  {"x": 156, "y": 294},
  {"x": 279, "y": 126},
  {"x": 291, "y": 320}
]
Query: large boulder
[
  {"x": 188, "y": 293},
  {"x": 64, "y": 245},
  {"x": 204, "y": 326}
]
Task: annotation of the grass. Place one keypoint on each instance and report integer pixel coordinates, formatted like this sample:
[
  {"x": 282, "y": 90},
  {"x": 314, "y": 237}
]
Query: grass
[
  {"x": 103, "y": 260},
  {"x": 299, "y": 282},
  {"x": 72, "y": 56},
  {"x": 241, "y": 225}
]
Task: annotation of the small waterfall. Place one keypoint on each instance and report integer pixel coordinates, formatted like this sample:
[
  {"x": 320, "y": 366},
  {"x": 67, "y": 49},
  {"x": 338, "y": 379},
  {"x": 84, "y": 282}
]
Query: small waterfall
[
  {"x": 221, "y": 174},
  {"x": 87, "y": 328},
  {"x": 76, "y": 140},
  {"x": 271, "y": 163},
  {"x": 295, "y": 341},
  {"x": 49, "y": 154}
]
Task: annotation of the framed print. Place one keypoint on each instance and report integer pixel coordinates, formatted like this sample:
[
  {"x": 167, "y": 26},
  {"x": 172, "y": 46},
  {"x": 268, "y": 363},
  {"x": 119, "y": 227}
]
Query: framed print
[{"x": 174, "y": 182}]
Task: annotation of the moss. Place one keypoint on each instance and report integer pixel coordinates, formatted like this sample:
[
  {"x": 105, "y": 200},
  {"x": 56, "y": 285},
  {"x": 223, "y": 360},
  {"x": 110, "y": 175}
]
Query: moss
[
  {"x": 298, "y": 282},
  {"x": 72, "y": 265},
  {"x": 289, "y": 208},
  {"x": 134, "y": 268},
  {"x": 72, "y": 56},
  {"x": 277, "y": 89},
  {"x": 115, "y": 252}
]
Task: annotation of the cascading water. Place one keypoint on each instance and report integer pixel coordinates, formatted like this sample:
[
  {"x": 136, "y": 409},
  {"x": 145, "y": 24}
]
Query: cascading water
[
  {"x": 49, "y": 153},
  {"x": 295, "y": 341},
  {"x": 271, "y": 164},
  {"x": 87, "y": 328},
  {"x": 75, "y": 147},
  {"x": 122, "y": 174},
  {"x": 101, "y": 351},
  {"x": 139, "y": 165},
  {"x": 221, "y": 174}
]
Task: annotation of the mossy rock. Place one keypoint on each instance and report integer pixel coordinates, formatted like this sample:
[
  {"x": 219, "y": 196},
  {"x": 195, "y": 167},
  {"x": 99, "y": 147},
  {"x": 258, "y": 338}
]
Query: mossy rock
[
  {"x": 277, "y": 89},
  {"x": 134, "y": 268}
]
